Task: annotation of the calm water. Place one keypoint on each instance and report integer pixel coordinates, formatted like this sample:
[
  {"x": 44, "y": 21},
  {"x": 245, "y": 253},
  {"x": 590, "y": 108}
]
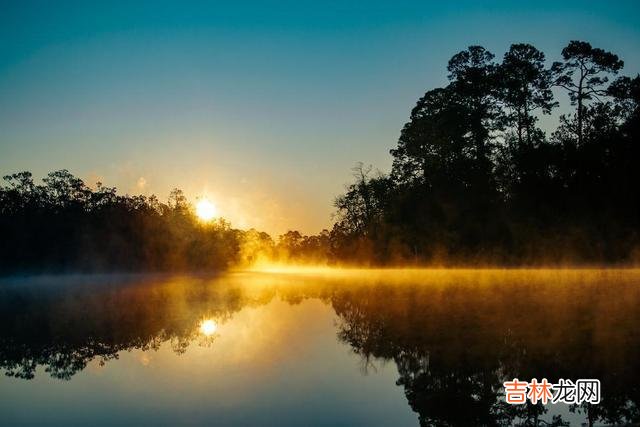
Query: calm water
[{"x": 315, "y": 347}]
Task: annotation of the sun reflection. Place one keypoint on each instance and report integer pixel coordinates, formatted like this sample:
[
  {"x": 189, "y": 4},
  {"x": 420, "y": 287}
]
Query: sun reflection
[{"x": 208, "y": 327}]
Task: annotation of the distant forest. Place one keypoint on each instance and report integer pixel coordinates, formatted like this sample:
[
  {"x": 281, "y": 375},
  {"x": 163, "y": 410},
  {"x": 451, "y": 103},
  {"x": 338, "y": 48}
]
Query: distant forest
[{"x": 475, "y": 181}]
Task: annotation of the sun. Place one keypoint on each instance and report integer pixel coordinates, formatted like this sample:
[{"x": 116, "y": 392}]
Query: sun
[
  {"x": 208, "y": 327},
  {"x": 205, "y": 210}
]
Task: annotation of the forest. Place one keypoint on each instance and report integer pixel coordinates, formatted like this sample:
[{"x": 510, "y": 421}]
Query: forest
[{"x": 476, "y": 180}]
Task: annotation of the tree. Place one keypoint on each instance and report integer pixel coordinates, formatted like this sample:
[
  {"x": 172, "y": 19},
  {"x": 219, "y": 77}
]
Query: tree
[
  {"x": 21, "y": 191},
  {"x": 583, "y": 74},
  {"x": 472, "y": 76},
  {"x": 432, "y": 145},
  {"x": 361, "y": 207},
  {"x": 525, "y": 86},
  {"x": 626, "y": 92},
  {"x": 177, "y": 200},
  {"x": 65, "y": 190}
]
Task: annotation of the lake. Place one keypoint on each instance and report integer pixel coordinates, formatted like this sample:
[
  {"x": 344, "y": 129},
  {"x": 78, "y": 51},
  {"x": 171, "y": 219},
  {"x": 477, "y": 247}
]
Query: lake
[{"x": 325, "y": 347}]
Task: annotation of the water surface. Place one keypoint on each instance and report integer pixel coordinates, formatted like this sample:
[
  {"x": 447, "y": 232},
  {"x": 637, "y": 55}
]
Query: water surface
[{"x": 315, "y": 347}]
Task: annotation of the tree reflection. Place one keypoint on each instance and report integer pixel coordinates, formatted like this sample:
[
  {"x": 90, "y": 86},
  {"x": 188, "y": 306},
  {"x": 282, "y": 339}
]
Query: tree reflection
[
  {"x": 62, "y": 328},
  {"x": 454, "y": 337},
  {"x": 454, "y": 345}
]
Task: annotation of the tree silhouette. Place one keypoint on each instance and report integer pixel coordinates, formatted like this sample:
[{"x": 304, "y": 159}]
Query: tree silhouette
[
  {"x": 475, "y": 181},
  {"x": 63, "y": 225},
  {"x": 583, "y": 74},
  {"x": 525, "y": 86}
]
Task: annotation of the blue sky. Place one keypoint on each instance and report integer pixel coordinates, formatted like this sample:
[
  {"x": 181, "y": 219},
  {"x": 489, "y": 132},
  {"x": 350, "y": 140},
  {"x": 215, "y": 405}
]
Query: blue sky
[{"x": 261, "y": 106}]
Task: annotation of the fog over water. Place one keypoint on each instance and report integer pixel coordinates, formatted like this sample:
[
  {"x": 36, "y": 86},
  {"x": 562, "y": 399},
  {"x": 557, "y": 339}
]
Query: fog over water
[{"x": 314, "y": 346}]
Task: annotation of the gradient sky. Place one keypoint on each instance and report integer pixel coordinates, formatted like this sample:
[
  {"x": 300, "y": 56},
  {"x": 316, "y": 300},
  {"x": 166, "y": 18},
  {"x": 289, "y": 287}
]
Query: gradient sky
[{"x": 264, "y": 107}]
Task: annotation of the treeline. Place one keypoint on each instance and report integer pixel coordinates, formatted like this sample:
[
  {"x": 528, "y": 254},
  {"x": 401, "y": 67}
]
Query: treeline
[
  {"x": 62, "y": 225},
  {"x": 475, "y": 179}
]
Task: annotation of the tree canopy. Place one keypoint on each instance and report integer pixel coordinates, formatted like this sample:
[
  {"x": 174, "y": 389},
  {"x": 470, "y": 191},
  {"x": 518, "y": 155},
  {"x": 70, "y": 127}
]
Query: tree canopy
[{"x": 475, "y": 179}]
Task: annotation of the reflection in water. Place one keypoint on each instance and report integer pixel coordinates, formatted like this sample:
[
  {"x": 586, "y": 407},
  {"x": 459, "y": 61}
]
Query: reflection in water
[{"x": 454, "y": 336}]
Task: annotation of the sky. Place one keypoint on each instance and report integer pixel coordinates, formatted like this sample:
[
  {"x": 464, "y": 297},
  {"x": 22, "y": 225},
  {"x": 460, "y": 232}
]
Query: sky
[{"x": 261, "y": 107}]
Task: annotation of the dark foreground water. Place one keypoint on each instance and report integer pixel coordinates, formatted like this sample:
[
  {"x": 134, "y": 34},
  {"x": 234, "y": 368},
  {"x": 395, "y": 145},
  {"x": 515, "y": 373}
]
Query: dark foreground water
[{"x": 315, "y": 347}]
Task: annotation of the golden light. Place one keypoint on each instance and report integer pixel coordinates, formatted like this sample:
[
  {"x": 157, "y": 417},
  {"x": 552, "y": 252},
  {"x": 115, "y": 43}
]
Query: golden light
[
  {"x": 205, "y": 210},
  {"x": 208, "y": 327}
]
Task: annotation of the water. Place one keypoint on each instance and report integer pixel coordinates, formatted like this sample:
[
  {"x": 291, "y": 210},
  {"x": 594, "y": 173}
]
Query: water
[{"x": 314, "y": 347}]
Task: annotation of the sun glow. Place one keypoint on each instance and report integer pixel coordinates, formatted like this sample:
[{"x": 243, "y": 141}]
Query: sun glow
[
  {"x": 205, "y": 210},
  {"x": 208, "y": 327}
]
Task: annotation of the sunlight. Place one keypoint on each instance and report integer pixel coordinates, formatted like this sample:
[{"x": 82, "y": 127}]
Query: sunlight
[
  {"x": 205, "y": 210},
  {"x": 208, "y": 327},
  {"x": 431, "y": 275}
]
